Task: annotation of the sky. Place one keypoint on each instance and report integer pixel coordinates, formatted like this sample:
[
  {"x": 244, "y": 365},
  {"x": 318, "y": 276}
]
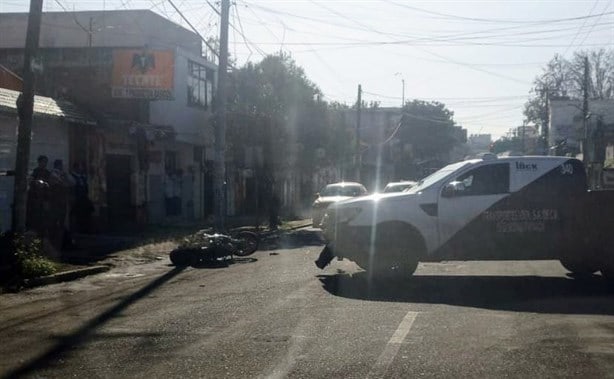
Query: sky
[{"x": 477, "y": 57}]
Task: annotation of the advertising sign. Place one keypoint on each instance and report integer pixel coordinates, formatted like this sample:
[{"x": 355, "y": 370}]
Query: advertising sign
[{"x": 143, "y": 74}]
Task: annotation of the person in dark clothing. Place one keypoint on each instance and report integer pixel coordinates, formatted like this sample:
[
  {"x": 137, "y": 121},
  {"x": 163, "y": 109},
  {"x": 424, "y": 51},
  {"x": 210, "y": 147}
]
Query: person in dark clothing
[
  {"x": 82, "y": 207},
  {"x": 274, "y": 206},
  {"x": 59, "y": 189},
  {"x": 38, "y": 200}
]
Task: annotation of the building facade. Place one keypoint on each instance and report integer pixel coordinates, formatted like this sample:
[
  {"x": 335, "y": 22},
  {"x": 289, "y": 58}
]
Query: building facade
[{"x": 148, "y": 85}]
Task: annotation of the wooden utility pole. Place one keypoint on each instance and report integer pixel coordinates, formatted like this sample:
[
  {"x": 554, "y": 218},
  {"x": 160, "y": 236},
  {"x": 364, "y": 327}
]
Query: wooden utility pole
[
  {"x": 25, "y": 104},
  {"x": 585, "y": 112},
  {"x": 219, "y": 185},
  {"x": 546, "y": 126},
  {"x": 358, "y": 154},
  {"x": 524, "y": 146},
  {"x": 403, "y": 93}
]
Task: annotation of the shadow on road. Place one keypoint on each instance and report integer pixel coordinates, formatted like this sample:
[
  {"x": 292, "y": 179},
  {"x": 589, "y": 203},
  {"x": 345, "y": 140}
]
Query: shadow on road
[
  {"x": 224, "y": 264},
  {"x": 85, "y": 332},
  {"x": 511, "y": 293}
]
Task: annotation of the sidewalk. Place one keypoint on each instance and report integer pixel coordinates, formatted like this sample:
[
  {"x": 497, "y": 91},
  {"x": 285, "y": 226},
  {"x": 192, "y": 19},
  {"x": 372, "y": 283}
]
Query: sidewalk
[
  {"x": 157, "y": 239},
  {"x": 99, "y": 253}
]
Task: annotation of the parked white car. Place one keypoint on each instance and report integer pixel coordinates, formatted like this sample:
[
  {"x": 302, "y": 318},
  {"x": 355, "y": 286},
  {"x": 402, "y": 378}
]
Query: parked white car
[{"x": 333, "y": 193}]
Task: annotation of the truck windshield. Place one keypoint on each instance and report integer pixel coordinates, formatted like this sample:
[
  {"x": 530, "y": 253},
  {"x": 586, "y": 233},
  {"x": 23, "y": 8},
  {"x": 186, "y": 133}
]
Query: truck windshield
[{"x": 436, "y": 177}]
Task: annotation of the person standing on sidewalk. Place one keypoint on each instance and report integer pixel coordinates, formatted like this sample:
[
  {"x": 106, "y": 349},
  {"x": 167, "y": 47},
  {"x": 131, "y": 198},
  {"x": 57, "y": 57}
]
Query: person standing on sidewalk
[
  {"x": 82, "y": 207},
  {"x": 38, "y": 199},
  {"x": 59, "y": 189}
]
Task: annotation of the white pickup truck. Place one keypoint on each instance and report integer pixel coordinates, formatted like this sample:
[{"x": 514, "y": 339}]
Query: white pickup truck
[{"x": 482, "y": 209}]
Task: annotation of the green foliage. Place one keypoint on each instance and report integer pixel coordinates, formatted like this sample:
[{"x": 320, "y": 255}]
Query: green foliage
[
  {"x": 274, "y": 106},
  {"x": 430, "y": 128},
  {"x": 27, "y": 259},
  {"x": 507, "y": 144}
]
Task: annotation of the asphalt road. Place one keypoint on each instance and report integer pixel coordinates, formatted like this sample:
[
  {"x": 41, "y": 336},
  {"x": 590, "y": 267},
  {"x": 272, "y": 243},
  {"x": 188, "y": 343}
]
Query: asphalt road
[{"x": 277, "y": 315}]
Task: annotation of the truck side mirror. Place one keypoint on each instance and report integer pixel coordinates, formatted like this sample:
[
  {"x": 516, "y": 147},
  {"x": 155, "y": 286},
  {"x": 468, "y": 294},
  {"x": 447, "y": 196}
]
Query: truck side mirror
[{"x": 452, "y": 189}]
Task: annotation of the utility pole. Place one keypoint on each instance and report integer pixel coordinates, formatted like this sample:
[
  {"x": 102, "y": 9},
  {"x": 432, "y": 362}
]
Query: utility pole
[
  {"x": 358, "y": 154},
  {"x": 524, "y": 147},
  {"x": 546, "y": 126},
  {"x": 25, "y": 104},
  {"x": 585, "y": 114},
  {"x": 90, "y": 33},
  {"x": 403, "y": 94},
  {"x": 220, "y": 125}
]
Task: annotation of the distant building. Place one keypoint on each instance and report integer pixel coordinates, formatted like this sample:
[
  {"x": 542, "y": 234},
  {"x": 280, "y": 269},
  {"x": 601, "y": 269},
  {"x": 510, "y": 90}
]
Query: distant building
[
  {"x": 479, "y": 143},
  {"x": 148, "y": 85}
]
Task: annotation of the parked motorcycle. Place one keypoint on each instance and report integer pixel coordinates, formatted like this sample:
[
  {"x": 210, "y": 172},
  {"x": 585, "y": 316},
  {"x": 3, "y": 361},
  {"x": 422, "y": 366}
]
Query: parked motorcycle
[{"x": 203, "y": 248}]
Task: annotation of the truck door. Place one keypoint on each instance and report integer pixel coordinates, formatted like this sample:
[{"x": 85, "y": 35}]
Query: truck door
[{"x": 463, "y": 231}]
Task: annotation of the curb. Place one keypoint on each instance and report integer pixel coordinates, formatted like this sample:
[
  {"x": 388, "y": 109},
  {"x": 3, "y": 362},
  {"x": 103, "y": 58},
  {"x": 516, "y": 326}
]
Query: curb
[
  {"x": 300, "y": 226},
  {"x": 65, "y": 276}
]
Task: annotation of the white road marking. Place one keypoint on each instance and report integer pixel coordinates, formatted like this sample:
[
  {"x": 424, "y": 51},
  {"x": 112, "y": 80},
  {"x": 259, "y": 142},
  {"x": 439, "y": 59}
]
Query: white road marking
[{"x": 392, "y": 347}]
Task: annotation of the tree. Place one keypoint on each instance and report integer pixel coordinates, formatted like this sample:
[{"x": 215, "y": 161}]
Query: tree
[
  {"x": 430, "y": 129},
  {"x": 565, "y": 78},
  {"x": 273, "y": 105}
]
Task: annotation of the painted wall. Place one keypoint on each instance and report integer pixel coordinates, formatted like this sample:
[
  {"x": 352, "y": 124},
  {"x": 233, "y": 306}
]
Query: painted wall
[{"x": 192, "y": 124}]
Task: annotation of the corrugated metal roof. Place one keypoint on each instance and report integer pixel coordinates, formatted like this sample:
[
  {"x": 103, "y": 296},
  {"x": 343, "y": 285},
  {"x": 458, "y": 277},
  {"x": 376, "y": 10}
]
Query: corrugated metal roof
[{"x": 45, "y": 107}]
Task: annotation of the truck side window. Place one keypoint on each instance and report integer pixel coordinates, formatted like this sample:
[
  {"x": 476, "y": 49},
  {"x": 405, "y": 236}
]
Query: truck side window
[{"x": 490, "y": 179}]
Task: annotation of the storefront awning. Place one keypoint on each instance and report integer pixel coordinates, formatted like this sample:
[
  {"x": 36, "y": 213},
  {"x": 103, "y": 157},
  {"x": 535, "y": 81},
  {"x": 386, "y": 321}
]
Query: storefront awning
[{"x": 45, "y": 107}]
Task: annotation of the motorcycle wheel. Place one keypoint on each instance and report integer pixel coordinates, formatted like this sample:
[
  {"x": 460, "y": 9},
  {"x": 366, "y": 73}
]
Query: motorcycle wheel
[
  {"x": 182, "y": 257},
  {"x": 248, "y": 245}
]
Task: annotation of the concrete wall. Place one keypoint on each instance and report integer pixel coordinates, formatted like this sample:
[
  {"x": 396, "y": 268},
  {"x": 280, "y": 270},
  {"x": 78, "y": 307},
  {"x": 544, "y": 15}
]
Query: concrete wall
[{"x": 192, "y": 124}]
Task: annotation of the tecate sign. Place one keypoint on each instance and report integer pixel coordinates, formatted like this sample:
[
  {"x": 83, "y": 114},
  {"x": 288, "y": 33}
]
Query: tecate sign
[{"x": 143, "y": 74}]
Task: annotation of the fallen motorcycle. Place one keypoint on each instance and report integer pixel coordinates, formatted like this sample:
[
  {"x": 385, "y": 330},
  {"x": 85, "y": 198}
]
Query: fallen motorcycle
[{"x": 204, "y": 248}]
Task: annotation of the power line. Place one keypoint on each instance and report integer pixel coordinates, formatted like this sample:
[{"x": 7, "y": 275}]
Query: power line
[
  {"x": 245, "y": 39},
  {"x": 236, "y": 9},
  {"x": 423, "y": 42},
  {"x": 490, "y": 20},
  {"x": 194, "y": 29},
  {"x": 580, "y": 28},
  {"x": 234, "y": 36},
  {"x": 456, "y": 100},
  {"x": 539, "y": 23},
  {"x": 266, "y": 27},
  {"x": 593, "y": 27}
]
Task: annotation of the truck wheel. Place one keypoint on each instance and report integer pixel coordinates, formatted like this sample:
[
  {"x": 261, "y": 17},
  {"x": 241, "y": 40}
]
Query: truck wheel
[
  {"x": 577, "y": 267},
  {"x": 397, "y": 252},
  {"x": 608, "y": 273}
]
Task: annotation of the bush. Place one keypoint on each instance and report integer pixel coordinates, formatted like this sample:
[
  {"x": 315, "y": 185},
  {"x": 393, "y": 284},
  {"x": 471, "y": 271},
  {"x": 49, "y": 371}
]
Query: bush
[
  {"x": 25, "y": 257},
  {"x": 32, "y": 267}
]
